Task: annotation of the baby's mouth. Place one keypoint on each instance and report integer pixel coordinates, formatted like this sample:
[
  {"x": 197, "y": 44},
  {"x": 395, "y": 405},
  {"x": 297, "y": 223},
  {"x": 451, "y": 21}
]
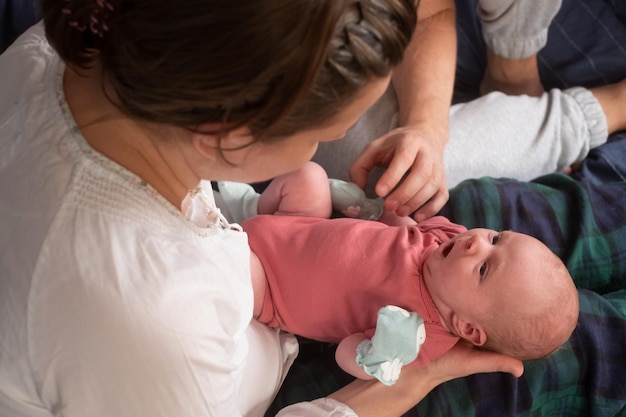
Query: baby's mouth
[{"x": 447, "y": 249}]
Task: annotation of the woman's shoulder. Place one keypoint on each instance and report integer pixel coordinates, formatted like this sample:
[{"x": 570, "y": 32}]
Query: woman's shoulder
[
  {"x": 132, "y": 231},
  {"x": 114, "y": 238},
  {"x": 112, "y": 272},
  {"x": 29, "y": 54},
  {"x": 33, "y": 36}
]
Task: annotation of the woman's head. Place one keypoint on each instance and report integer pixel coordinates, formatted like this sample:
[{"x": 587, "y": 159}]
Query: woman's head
[{"x": 275, "y": 66}]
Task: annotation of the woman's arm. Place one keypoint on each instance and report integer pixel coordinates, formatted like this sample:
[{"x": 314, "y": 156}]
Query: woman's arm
[{"x": 371, "y": 398}]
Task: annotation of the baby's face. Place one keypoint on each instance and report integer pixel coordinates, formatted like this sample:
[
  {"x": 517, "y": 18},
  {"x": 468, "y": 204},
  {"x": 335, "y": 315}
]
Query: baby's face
[{"x": 466, "y": 274}]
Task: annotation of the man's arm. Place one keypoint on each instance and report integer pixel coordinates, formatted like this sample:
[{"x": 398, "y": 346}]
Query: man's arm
[{"x": 423, "y": 82}]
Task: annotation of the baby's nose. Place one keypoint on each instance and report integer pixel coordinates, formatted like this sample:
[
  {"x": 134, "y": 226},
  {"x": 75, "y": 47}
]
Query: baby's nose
[{"x": 474, "y": 244}]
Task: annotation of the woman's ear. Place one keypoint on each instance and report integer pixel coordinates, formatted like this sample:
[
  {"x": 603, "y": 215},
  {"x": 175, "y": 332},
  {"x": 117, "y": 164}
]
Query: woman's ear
[
  {"x": 469, "y": 331},
  {"x": 208, "y": 144},
  {"x": 205, "y": 145}
]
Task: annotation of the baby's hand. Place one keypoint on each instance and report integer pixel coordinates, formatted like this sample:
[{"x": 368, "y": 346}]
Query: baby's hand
[{"x": 397, "y": 340}]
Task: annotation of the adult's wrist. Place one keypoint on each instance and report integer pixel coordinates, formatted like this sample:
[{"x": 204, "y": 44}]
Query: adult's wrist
[{"x": 371, "y": 398}]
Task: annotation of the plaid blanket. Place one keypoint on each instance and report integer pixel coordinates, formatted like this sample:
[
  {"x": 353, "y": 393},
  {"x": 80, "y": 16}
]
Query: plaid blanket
[
  {"x": 585, "y": 378},
  {"x": 582, "y": 218},
  {"x": 584, "y": 222},
  {"x": 581, "y": 221}
]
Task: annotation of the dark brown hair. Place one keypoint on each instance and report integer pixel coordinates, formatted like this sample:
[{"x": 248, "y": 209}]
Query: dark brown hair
[{"x": 276, "y": 66}]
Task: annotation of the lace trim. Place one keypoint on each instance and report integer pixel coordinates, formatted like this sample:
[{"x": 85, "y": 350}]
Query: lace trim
[
  {"x": 200, "y": 209},
  {"x": 198, "y": 199}
]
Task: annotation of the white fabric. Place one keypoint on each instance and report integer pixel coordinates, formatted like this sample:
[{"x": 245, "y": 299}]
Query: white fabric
[
  {"x": 516, "y": 28},
  {"x": 522, "y": 137},
  {"x": 112, "y": 303},
  {"x": 327, "y": 406}
]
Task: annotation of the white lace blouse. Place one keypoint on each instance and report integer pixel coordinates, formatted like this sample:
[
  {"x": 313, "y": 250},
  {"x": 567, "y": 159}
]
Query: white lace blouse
[{"x": 112, "y": 302}]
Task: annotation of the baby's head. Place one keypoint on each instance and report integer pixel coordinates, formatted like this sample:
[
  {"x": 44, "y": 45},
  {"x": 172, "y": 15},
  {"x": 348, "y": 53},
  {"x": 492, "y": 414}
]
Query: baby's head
[{"x": 504, "y": 291}]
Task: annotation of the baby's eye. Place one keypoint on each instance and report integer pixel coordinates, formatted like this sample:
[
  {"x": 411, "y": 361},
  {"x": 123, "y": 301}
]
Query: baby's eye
[
  {"x": 483, "y": 270},
  {"x": 495, "y": 239}
]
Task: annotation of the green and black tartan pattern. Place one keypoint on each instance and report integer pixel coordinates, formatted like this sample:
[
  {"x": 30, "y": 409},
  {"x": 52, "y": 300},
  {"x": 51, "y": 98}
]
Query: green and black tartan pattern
[{"x": 585, "y": 224}]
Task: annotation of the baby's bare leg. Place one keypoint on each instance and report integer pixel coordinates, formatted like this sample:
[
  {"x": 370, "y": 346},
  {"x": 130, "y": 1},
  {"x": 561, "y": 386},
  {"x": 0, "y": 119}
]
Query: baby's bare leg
[
  {"x": 612, "y": 99},
  {"x": 304, "y": 192}
]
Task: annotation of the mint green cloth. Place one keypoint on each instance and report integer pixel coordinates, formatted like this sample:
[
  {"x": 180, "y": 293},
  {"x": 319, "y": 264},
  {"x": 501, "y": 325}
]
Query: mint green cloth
[{"x": 396, "y": 342}]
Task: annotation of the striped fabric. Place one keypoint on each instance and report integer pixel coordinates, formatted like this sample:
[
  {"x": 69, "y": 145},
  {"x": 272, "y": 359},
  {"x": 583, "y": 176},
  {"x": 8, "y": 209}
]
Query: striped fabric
[{"x": 586, "y": 46}]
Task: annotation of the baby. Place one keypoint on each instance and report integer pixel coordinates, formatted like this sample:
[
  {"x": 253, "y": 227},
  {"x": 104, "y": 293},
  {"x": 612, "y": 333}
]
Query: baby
[{"x": 332, "y": 280}]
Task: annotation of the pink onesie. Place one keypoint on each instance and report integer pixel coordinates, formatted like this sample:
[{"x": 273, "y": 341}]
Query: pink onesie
[{"x": 327, "y": 279}]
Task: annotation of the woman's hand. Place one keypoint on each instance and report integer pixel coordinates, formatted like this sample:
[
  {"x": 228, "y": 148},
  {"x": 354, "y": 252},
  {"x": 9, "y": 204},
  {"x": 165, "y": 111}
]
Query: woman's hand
[
  {"x": 371, "y": 398},
  {"x": 464, "y": 359},
  {"x": 415, "y": 171}
]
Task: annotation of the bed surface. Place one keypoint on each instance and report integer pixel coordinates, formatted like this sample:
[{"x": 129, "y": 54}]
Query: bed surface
[{"x": 583, "y": 219}]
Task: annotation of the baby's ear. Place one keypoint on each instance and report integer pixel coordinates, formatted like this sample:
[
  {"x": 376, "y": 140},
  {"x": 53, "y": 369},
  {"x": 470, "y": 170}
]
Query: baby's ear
[{"x": 469, "y": 331}]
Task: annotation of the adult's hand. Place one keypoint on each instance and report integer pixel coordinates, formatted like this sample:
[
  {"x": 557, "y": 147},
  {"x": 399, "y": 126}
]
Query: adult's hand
[
  {"x": 414, "y": 178},
  {"x": 413, "y": 153},
  {"x": 464, "y": 359},
  {"x": 371, "y": 398}
]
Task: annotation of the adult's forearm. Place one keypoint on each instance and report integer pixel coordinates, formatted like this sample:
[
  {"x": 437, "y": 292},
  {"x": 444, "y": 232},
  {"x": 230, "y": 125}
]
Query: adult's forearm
[
  {"x": 373, "y": 399},
  {"x": 425, "y": 79}
]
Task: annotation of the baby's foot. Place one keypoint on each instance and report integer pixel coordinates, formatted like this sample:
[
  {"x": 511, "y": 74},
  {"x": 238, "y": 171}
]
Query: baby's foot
[{"x": 511, "y": 76}]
